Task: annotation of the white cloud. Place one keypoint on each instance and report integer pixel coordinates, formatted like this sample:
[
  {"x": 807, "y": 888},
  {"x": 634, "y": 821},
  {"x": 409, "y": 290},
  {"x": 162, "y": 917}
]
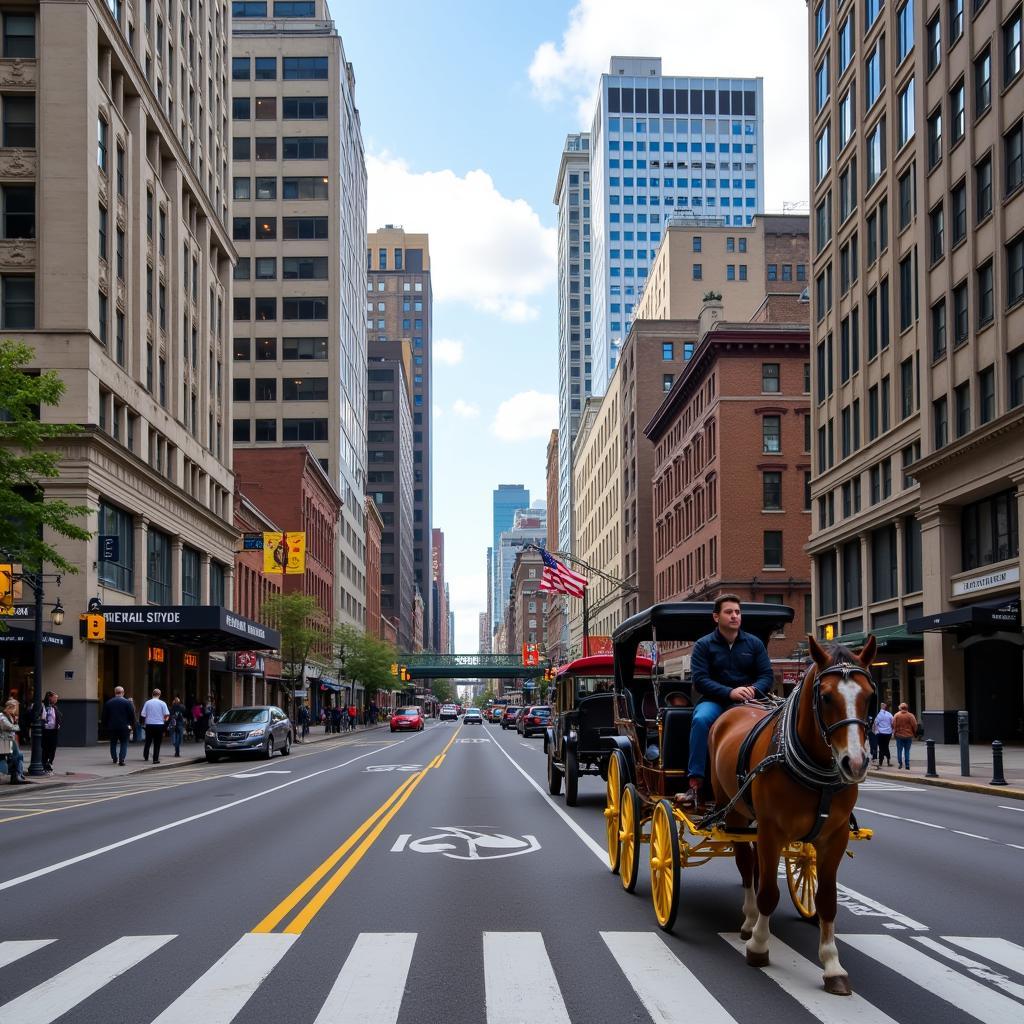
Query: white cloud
[
  {"x": 527, "y": 415},
  {"x": 747, "y": 38},
  {"x": 486, "y": 249},
  {"x": 448, "y": 351},
  {"x": 467, "y": 410}
]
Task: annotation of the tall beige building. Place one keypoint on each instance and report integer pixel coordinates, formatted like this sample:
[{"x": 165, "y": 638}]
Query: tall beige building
[
  {"x": 917, "y": 327},
  {"x": 115, "y": 267},
  {"x": 299, "y": 223}
]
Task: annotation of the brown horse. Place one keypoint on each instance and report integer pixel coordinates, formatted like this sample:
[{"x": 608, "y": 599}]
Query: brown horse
[{"x": 816, "y": 753}]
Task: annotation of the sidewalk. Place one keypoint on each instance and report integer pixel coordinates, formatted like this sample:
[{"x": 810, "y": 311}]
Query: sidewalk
[
  {"x": 86, "y": 764},
  {"x": 947, "y": 764}
]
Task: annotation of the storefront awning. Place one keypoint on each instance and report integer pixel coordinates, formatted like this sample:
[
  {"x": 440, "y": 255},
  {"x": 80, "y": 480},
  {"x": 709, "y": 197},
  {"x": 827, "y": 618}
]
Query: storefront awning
[
  {"x": 889, "y": 638},
  {"x": 199, "y": 627},
  {"x": 987, "y": 617},
  {"x": 21, "y": 635}
]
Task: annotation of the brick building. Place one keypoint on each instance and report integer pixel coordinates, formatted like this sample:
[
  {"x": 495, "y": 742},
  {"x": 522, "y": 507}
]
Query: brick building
[
  {"x": 731, "y": 480},
  {"x": 374, "y": 530},
  {"x": 528, "y": 604}
]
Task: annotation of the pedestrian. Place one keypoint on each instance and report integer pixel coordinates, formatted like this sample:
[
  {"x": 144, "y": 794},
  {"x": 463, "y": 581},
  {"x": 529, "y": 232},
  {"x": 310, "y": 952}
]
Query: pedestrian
[
  {"x": 9, "y": 743},
  {"x": 197, "y": 719},
  {"x": 209, "y": 714},
  {"x": 304, "y": 717},
  {"x": 353, "y": 716},
  {"x": 52, "y": 720},
  {"x": 335, "y": 719},
  {"x": 904, "y": 728},
  {"x": 177, "y": 723},
  {"x": 155, "y": 714},
  {"x": 373, "y": 712},
  {"x": 137, "y": 730},
  {"x": 872, "y": 738},
  {"x": 883, "y": 730},
  {"x": 119, "y": 721}
]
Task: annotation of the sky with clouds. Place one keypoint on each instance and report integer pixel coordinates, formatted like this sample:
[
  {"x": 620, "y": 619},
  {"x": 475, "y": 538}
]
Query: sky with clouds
[{"x": 465, "y": 105}]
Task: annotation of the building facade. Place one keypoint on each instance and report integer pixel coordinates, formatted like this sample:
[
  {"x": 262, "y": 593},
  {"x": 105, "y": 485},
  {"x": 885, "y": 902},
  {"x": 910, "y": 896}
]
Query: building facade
[
  {"x": 527, "y": 609},
  {"x": 557, "y": 628},
  {"x": 440, "y": 635},
  {"x": 662, "y": 143},
  {"x": 299, "y": 222},
  {"x": 115, "y": 269},
  {"x": 918, "y": 289},
  {"x": 374, "y": 532},
  {"x": 731, "y": 480},
  {"x": 506, "y": 500},
  {"x": 528, "y": 529},
  {"x": 572, "y": 197},
  {"x": 399, "y": 311}
]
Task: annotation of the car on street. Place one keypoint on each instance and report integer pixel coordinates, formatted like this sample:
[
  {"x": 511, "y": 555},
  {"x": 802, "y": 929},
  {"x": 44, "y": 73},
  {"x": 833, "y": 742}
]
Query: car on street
[
  {"x": 534, "y": 719},
  {"x": 472, "y": 717},
  {"x": 261, "y": 729},
  {"x": 493, "y": 714},
  {"x": 508, "y": 720},
  {"x": 407, "y": 718},
  {"x": 449, "y": 713}
]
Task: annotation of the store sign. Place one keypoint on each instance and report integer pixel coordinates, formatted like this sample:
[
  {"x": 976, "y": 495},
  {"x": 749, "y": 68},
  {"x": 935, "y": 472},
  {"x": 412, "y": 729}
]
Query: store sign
[
  {"x": 252, "y": 541},
  {"x": 188, "y": 618},
  {"x": 989, "y": 581},
  {"x": 157, "y": 655},
  {"x": 190, "y": 659},
  {"x": 249, "y": 661}
]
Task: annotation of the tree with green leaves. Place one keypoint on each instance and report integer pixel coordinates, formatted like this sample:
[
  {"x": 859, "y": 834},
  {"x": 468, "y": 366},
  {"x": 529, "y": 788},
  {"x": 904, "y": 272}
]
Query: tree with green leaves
[
  {"x": 26, "y": 459},
  {"x": 443, "y": 690},
  {"x": 295, "y": 616},
  {"x": 364, "y": 659}
]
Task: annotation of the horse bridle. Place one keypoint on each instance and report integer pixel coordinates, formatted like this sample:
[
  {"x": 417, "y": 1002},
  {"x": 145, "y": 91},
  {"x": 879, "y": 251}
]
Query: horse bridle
[{"x": 845, "y": 670}]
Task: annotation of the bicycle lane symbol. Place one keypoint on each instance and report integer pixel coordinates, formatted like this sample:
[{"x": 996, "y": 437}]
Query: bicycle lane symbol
[{"x": 460, "y": 843}]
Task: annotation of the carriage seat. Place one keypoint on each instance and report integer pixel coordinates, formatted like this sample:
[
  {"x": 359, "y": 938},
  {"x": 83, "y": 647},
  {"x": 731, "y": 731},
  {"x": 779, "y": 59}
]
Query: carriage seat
[
  {"x": 675, "y": 738},
  {"x": 595, "y": 718}
]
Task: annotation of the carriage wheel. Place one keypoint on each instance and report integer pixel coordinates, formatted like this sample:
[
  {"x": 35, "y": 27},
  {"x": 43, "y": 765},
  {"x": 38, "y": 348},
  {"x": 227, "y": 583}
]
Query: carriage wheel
[
  {"x": 664, "y": 865},
  {"x": 629, "y": 837},
  {"x": 572, "y": 776},
  {"x": 613, "y": 797},
  {"x": 802, "y": 876}
]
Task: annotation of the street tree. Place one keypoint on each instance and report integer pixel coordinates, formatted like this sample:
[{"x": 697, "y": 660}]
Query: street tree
[
  {"x": 28, "y": 457},
  {"x": 443, "y": 691},
  {"x": 303, "y": 638},
  {"x": 364, "y": 658}
]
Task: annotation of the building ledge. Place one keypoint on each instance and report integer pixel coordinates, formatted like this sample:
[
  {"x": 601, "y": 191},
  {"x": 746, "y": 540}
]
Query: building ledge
[{"x": 939, "y": 462}]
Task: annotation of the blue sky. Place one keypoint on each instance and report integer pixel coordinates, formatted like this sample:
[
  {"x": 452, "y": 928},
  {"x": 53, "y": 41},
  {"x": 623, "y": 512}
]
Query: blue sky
[{"x": 465, "y": 107}]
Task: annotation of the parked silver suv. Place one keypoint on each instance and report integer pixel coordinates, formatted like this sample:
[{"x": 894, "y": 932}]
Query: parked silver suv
[{"x": 261, "y": 730}]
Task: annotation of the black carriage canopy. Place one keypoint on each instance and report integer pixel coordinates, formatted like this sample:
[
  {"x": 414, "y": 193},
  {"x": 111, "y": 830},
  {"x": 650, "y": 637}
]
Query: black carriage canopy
[{"x": 685, "y": 621}]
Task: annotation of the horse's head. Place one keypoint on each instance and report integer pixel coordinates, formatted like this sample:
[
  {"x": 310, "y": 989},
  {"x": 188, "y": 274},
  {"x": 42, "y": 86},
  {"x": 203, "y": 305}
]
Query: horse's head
[{"x": 843, "y": 690}]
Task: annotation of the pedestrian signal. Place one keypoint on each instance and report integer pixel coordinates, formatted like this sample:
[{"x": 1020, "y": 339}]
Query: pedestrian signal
[
  {"x": 92, "y": 628},
  {"x": 830, "y": 632}
]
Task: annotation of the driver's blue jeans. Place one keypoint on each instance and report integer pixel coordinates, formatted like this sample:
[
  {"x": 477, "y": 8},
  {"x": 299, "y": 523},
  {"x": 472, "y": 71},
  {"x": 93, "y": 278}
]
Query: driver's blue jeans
[{"x": 704, "y": 714}]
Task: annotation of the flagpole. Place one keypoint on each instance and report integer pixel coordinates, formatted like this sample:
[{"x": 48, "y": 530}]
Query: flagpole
[{"x": 586, "y": 621}]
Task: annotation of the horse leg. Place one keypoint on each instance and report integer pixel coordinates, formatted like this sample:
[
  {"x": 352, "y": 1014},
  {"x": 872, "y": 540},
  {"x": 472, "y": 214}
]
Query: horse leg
[
  {"x": 745, "y": 862},
  {"x": 830, "y": 853},
  {"x": 769, "y": 846}
]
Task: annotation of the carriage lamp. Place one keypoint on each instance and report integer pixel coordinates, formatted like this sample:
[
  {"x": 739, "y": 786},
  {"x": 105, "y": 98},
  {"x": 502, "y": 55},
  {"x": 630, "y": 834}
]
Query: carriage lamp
[{"x": 57, "y": 613}]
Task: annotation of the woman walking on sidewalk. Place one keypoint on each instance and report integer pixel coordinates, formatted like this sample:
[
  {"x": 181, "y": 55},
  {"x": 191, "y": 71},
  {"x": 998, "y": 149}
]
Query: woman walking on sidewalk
[
  {"x": 883, "y": 730},
  {"x": 904, "y": 728}
]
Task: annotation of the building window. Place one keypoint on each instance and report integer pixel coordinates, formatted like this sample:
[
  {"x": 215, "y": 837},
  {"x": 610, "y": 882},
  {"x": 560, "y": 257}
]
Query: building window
[
  {"x": 956, "y": 113},
  {"x": 667, "y": 350},
  {"x": 1012, "y": 48},
  {"x": 874, "y": 69},
  {"x": 956, "y": 19},
  {"x": 1016, "y": 366},
  {"x": 18, "y": 294},
  {"x": 938, "y": 328},
  {"x": 19, "y": 35},
  {"x": 961, "y": 320},
  {"x": 913, "y": 562},
  {"x": 986, "y": 395},
  {"x": 773, "y": 549},
  {"x": 907, "y": 122},
  {"x": 295, "y": 69},
  {"x": 907, "y": 197},
  {"x": 240, "y": 69},
  {"x": 940, "y": 423},
  {"x": 1013, "y": 150},
  {"x": 698, "y": 272},
  {"x": 190, "y": 576},
  {"x": 827, "y": 582},
  {"x": 884, "y": 580},
  {"x": 771, "y": 435},
  {"x": 983, "y": 82},
  {"x": 158, "y": 567},
  {"x": 958, "y": 204},
  {"x": 989, "y": 531},
  {"x": 907, "y": 387},
  {"x": 770, "y": 382},
  {"x": 851, "y": 575},
  {"x": 667, "y": 380},
  {"x": 986, "y": 294},
  {"x": 1015, "y": 270},
  {"x": 933, "y": 34},
  {"x": 102, "y": 131},
  {"x": 904, "y": 30},
  {"x": 935, "y": 139},
  {"x": 771, "y": 490},
  {"x": 876, "y": 152},
  {"x": 216, "y": 584},
  {"x": 983, "y": 187},
  {"x": 936, "y": 231},
  {"x": 19, "y": 211},
  {"x": 19, "y": 125},
  {"x": 119, "y": 572},
  {"x": 266, "y": 69},
  {"x": 962, "y": 402}
]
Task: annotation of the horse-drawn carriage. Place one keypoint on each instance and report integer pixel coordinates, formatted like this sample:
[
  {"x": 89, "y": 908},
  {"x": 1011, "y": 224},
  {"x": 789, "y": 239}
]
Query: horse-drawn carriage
[{"x": 783, "y": 778}]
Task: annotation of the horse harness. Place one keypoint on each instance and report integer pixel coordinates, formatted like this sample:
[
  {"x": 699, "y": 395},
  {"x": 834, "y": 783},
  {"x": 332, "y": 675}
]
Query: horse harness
[{"x": 789, "y": 752}]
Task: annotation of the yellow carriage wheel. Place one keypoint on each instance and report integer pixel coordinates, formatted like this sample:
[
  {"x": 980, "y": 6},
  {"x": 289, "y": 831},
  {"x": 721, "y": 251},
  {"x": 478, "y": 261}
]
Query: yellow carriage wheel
[
  {"x": 664, "y": 865},
  {"x": 629, "y": 836},
  {"x": 613, "y": 798},
  {"x": 802, "y": 877}
]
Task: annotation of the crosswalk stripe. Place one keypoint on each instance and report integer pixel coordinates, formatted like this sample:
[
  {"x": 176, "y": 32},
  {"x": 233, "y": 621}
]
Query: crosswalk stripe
[
  {"x": 979, "y": 970},
  {"x": 800, "y": 978},
  {"x": 372, "y": 981},
  {"x": 1000, "y": 951},
  {"x": 48, "y": 1001},
  {"x": 219, "y": 995},
  {"x": 669, "y": 991},
  {"x": 16, "y": 949},
  {"x": 519, "y": 981},
  {"x": 970, "y": 996}
]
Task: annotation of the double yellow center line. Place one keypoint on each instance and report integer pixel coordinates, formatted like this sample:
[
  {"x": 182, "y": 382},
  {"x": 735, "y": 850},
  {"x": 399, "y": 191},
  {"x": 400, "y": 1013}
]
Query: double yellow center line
[{"x": 358, "y": 843}]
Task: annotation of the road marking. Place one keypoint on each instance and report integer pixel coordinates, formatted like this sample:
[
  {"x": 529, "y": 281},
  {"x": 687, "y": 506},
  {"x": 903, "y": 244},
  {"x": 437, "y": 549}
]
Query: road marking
[
  {"x": 259, "y": 775},
  {"x": 479, "y": 845},
  {"x": 54, "y": 997},
  {"x": 400, "y": 842},
  {"x": 1015, "y": 846},
  {"x": 969, "y": 996},
  {"x": 979, "y": 970},
  {"x": 855, "y": 902},
  {"x": 372, "y": 983},
  {"x": 671, "y": 994},
  {"x": 219, "y": 995},
  {"x": 899, "y": 817},
  {"x": 519, "y": 981},
  {"x": 372, "y": 768},
  {"x": 801, "y": 979},
  {"x": 15, "y": 950},
  {"x": 970, "y": 835},
  {"x": 60, "y": 865},
  {"x": 1000, "y": 951},
  {"x": 1006, "y": 807}
]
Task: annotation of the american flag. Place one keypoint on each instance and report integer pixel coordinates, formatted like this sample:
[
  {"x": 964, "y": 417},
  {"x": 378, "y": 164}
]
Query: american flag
[{"x": 560, "y": 578}]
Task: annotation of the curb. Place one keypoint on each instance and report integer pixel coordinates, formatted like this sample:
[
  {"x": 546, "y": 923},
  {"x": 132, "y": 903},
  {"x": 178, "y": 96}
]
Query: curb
[{"x": 1009, "y": 792}]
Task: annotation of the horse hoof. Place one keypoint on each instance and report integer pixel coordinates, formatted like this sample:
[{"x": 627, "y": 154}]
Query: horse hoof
[
  {"x": 757, "y": 959},
  {"x": 839, "y": 985},
  {"x": 745, "y": 934}
]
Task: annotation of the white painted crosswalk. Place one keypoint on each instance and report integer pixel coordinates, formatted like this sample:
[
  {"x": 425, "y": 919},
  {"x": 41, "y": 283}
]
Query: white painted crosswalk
[{"x": 982, "y": 977}]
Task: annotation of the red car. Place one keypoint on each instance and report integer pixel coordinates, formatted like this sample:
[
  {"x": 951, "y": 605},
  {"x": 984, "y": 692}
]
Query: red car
[{"x": 407, "y": 718}]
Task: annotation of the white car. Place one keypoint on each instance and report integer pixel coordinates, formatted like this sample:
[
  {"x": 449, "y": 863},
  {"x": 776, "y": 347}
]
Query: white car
[
  {"x": 472, "y": 717},
  {"x": 449, "y": 713}
]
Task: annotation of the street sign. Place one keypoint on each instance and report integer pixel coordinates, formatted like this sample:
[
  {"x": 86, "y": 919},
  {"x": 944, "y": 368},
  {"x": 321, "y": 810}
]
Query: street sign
[
  {"x": 110, "y": 547},
  {"x": 92, "y": 628},
  {"x": 252, "y": 541}
]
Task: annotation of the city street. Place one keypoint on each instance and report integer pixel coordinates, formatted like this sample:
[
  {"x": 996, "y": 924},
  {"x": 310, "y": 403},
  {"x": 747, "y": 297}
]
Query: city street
[{"x": 428, "y": 878}]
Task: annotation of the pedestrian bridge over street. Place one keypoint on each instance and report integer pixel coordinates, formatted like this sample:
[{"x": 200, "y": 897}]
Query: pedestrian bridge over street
[{"x": 468, "y": 666}]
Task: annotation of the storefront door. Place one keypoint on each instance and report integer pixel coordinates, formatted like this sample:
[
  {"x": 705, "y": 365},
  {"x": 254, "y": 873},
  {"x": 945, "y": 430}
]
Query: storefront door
[{"x": 995, "y": 691}]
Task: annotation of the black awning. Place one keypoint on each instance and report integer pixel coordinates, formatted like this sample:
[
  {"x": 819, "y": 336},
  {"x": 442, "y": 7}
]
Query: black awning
[
  {"x": 21, "y": 635},
  {"x": 198, "y": 627},
  {"x": 988, "y": 617}
]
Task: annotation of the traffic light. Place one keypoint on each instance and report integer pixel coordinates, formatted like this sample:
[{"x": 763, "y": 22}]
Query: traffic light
[
  {"x": 830, "y": 632},
  {"x": 394, "y": 668},
  {"x": 6, "y": 586},
  {"x": 92, "y": 628}
]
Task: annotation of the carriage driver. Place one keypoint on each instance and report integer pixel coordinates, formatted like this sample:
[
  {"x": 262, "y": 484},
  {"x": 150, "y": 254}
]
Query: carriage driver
[{"x": 728, "y": 667}]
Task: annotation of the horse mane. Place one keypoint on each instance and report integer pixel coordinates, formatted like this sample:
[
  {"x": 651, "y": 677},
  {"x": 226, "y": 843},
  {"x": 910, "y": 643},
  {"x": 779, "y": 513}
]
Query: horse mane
[{"x": 842, "y": 655}]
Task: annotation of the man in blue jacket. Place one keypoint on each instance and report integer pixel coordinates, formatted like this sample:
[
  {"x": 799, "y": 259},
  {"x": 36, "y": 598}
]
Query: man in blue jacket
[{"x": 728, "y": 667}]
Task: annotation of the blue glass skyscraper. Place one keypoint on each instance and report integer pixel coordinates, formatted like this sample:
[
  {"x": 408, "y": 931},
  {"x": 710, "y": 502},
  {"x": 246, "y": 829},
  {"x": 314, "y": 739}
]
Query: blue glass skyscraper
[{"x": 506, "y": 500}]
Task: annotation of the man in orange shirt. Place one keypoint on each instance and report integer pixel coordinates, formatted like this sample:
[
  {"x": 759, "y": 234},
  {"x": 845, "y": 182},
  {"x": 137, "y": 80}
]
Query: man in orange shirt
[{"x": 904, "y": 728}]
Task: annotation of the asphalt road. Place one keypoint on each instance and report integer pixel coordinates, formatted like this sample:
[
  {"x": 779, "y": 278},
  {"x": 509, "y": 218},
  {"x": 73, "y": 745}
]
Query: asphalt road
[{"x": 428, "y": 878}]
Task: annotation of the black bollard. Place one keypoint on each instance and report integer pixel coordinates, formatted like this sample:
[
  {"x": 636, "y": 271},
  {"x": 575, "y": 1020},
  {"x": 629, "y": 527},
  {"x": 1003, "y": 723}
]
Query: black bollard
[
  {"x": 998, "y": 779},
  {"x": 965, "y": 749},
  {"x": 930, "y": 772}
]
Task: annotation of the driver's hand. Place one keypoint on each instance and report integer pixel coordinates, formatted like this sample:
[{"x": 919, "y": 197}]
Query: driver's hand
[{"x": 743, "y": 693}]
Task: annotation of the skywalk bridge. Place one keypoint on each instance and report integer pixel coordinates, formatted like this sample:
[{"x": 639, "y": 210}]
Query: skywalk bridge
[{"x": 469, "y": 666}]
